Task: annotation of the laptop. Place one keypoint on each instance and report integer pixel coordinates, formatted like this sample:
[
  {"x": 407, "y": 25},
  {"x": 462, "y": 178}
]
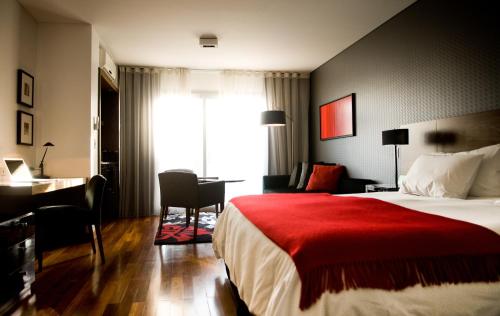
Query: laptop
[{"x": 18, "y": 170}]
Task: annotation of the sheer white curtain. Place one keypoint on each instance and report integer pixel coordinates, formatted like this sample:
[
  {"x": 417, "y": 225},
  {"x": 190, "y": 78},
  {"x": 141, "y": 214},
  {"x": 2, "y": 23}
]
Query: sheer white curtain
[
  {"x": 214, "y": 133},
  {"x": 237, "y": 142},
  {"x": 176, "y": 126}
]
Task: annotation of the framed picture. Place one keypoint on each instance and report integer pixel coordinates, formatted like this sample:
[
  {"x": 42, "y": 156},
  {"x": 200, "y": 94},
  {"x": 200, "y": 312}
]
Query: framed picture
[
  {"x": 338, "y": 118},
  {"x": 24, "y": 128},
  {"x": 25, "y": 88}
]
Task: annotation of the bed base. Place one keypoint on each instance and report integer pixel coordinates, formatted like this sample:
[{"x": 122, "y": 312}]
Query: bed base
[{"x": 241, "y": 306}]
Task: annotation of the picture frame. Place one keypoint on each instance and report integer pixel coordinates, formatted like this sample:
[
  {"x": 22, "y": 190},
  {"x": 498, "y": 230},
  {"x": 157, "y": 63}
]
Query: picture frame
[
  {"x": 24, "y": 128},
  {"x": 337, "y": 118},
  {"x": 25, "y": 88}
]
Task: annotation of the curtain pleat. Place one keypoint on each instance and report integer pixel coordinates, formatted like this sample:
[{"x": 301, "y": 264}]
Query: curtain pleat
[
  {"x": 288, "y": 92},
  {"x": 139, "y": 88}
]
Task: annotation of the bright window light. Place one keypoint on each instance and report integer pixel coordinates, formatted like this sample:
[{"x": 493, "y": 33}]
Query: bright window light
[{"x": 214, "y": 136}]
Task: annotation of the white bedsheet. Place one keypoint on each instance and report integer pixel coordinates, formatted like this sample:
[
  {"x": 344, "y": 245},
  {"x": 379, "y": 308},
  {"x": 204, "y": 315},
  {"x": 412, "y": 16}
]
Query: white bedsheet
[{"x": 269, "y": 284}]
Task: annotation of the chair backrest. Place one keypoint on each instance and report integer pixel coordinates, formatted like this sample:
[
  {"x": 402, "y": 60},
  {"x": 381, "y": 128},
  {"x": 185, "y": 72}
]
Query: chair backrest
[
  {"x": 94, "y": 193},
  {"x": 179, "y": 189},
  {"x": 179, "y": 170}
]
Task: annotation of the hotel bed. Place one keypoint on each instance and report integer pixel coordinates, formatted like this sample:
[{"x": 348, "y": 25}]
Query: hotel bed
[
  {"x": 267, "y": 277},
  {"x": 268, "y": 282}
]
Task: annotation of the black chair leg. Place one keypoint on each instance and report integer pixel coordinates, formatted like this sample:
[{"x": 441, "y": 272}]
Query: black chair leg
[
  {"x": 188, "y": 216},
  {"x": 99, "y": 242},
  {"x": 217, "y": 210},
  {"x": 160, "y": 221},
  {"x": 39, "y": 258},
  {"x": 196, "y": 216},
  {"x": 92, "y": 241}
]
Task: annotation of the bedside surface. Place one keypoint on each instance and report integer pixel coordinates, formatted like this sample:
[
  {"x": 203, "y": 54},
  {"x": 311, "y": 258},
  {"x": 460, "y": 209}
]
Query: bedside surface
[{"x": 380, "y": 188}]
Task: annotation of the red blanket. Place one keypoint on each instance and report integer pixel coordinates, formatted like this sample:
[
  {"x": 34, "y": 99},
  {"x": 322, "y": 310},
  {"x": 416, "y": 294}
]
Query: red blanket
[{"x": 339, "y": 243}]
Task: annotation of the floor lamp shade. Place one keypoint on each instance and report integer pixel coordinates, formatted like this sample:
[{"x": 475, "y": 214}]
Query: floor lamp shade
[
  {"x": 395, "y": 137},
  {"x": 273, "y": 118}
]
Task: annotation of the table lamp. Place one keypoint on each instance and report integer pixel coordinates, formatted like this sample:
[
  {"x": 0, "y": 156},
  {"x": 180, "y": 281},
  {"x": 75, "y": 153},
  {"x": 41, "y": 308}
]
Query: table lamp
[
  {"x": 395, "y": 137},
  {"x": 46, "y": 145}
]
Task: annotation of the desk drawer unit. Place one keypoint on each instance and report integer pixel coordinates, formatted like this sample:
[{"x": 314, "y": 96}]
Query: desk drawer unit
[{"x": 17, "y": 267}]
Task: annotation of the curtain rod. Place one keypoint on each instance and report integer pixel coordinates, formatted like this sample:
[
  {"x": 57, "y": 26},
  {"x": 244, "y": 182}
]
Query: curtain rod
[{"x": 302, "y": 74}]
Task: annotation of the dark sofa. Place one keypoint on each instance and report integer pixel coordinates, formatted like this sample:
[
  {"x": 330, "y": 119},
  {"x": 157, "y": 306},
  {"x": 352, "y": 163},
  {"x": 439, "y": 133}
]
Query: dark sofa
[{"x": 279, "y": 184}]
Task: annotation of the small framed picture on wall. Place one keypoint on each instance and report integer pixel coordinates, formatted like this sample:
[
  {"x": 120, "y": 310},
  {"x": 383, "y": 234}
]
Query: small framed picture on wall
[
  {"x": 25, "y": 88},
  {"x": 24, "y": 128}
]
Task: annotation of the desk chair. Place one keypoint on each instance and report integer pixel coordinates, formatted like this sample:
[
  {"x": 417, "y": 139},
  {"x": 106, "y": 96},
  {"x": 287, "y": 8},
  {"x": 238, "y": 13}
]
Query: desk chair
[
  {"x": 182, "y": 189},
  {"x": 49, "y": 218}
]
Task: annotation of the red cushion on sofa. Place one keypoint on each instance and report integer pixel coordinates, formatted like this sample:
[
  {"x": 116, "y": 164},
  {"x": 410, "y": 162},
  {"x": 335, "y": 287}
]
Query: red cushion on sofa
[{"x": 325, "y": 178}]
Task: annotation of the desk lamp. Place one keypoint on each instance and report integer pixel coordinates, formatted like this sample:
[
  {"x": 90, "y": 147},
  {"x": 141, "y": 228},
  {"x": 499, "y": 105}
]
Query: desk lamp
[{"x": 46, "y": 145}]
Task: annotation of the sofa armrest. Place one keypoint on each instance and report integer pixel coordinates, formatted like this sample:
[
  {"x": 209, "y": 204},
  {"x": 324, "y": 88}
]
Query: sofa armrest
[
  {"x": 352, "y": 185},
  {"x": 275, "y": 182}
]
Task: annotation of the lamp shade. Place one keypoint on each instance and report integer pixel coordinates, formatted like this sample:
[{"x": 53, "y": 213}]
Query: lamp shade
[
  {"x": 395, "y": 137},
  {"x": 48, "y": 144},
  {"x": 273, "y": 118}
]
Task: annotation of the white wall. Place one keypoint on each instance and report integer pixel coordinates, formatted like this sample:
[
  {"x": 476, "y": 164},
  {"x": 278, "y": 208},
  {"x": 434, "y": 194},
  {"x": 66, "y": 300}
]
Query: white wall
[
  {"x": 65, "y": 103},
  {"x": 18, "y": 33}
]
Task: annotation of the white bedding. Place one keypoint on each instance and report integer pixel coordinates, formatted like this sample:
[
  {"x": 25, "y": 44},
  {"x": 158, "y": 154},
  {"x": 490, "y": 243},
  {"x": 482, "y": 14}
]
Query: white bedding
[{"x": 269, "y": 284}]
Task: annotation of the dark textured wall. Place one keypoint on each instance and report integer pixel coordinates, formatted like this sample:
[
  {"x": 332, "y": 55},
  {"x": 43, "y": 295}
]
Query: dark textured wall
[{"x": 433, "y": 60}]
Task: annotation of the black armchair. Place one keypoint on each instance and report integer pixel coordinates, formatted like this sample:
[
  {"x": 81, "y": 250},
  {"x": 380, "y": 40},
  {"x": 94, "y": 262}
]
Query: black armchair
[
  {"x": 182, "y": 189},
  {"x": 49, "y": 219}
]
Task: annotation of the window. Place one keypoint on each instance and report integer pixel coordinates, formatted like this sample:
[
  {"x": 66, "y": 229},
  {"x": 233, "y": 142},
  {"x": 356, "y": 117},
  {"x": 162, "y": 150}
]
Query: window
[{"x": 213, "y": 136}]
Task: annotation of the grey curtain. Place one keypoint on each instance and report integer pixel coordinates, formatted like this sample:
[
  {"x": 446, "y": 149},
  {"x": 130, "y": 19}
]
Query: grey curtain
[
  {"x": 139, "y": 87},
  {"x": 290, "y": 144}
]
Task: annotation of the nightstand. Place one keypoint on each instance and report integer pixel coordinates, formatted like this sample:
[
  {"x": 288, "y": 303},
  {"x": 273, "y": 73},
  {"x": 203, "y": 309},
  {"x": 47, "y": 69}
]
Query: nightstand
[{"x": 380, "y": 188}]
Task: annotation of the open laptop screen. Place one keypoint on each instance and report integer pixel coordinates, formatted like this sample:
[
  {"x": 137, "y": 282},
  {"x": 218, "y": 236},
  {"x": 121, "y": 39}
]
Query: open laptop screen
[{"x": 18, "y": 169}]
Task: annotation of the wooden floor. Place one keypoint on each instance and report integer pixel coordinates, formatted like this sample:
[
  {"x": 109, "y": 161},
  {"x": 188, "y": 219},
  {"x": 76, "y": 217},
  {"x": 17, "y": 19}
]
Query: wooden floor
[{"x": 138, "y": 278}]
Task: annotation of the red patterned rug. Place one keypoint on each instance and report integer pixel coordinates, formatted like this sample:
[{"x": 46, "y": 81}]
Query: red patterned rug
[{"x": 175, "y": 232}]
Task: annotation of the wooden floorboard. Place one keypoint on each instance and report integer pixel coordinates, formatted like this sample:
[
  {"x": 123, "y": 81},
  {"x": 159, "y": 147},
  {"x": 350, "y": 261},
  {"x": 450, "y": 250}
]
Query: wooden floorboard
[{"x": 138, "y": 278}]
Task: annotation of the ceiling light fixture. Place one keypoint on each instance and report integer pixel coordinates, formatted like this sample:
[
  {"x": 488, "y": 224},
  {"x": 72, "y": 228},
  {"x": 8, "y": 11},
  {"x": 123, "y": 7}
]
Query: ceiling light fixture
[{"x": 208, "y": 41}]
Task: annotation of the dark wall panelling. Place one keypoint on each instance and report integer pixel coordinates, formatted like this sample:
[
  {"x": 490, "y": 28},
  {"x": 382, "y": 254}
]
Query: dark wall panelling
[{"x": 435, "y": 59}]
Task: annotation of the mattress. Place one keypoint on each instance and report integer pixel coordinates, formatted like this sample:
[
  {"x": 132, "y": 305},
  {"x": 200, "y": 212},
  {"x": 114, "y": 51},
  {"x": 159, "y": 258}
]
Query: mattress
[{"x": 268, "y": 282}]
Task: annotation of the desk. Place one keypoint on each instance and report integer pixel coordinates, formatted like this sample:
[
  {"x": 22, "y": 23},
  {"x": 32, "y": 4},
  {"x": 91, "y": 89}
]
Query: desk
[
  {"x": 17, "y": 239},
  {"x": 18, "y": 198}
]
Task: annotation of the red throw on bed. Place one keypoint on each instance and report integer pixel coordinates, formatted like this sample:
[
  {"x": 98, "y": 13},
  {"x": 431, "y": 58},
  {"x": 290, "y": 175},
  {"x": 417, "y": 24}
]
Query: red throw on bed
[{"x": 339, "y": 243}]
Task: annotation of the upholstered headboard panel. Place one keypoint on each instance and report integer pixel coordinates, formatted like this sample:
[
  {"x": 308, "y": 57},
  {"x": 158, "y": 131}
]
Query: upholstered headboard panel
[{"x": 452, "y": 134}]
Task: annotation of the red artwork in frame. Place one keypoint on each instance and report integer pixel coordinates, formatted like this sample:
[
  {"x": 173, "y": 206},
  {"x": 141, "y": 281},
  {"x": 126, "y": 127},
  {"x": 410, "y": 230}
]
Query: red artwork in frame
[{"x": 337, "y": 118}]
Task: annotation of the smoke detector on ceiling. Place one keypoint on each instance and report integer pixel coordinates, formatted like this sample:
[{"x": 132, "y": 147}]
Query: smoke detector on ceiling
[{"x": 208, "y": 41}]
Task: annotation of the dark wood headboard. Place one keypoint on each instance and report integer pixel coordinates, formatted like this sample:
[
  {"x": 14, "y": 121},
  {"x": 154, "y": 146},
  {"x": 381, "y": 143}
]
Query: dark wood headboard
[{"x": 454, "y": 134}]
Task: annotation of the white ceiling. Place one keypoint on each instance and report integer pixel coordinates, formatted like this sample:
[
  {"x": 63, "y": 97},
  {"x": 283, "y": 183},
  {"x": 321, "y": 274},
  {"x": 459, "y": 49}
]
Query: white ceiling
[{"x": 297, "y": 35}]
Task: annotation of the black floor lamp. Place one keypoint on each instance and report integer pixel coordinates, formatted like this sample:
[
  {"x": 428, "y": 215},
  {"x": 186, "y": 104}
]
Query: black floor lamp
[
  {"x": 395, "y": 137},
  {"x": 273, "y": 118}
]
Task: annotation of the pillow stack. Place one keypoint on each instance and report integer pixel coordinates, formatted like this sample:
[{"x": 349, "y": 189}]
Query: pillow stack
[{"x": 457, "y": 175}]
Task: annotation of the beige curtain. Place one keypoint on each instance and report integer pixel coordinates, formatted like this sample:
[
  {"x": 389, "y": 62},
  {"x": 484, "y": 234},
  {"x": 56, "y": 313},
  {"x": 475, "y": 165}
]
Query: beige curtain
[
  {"x": 139, "y": 88},
  {"x": 288, "y": 145}
]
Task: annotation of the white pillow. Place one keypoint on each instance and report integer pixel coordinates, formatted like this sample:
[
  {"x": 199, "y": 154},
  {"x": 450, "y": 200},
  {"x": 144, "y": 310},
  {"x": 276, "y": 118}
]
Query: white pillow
[
  {"x": 448, "y": 175},
  {"x": 487, "y": 182}
]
